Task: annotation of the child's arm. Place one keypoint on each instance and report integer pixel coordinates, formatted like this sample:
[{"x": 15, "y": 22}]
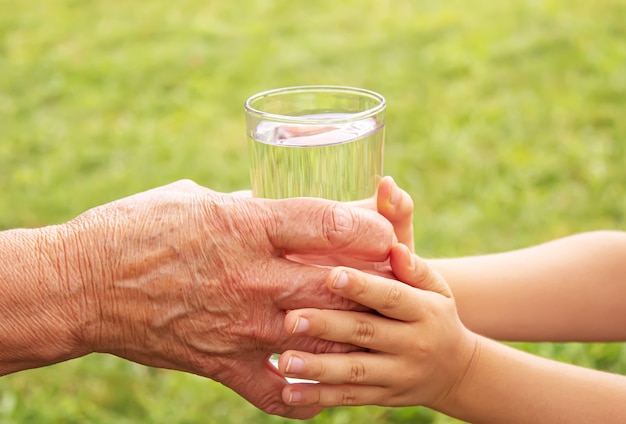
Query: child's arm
[
  {"x": 571, "y": 289},
  {"x": 421, "y": 354}
]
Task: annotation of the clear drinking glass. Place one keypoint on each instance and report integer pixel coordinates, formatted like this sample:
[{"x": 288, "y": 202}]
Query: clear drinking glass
[{"x": 316, "y": 141}]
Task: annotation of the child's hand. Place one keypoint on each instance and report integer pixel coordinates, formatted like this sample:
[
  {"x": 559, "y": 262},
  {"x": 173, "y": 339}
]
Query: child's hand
[
  {"x": 396, "y": 205},
  {"x": 419, "y": 349}
]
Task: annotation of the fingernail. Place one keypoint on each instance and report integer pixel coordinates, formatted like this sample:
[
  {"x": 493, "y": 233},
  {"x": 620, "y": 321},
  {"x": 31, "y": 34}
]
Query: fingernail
[
  {"x": 341, "y": 280},
  {"x": 301, "y": 325},
  {"x": 294, "y": 365},
  {"x": 295, "y": 397}
]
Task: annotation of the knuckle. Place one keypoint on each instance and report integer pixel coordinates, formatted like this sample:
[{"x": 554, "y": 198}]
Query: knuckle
[
  {"x": 270, "y": 404},
  {"x": 363, "y": 332},
  {"x": 422, "y": 348},
  {"x": 337, "y": 222},
  {"x": 186, "y": 182},
  {"x": 392, "y": 297},
  {"x": 357, "y": 372},
  {"x": 347, "y": 398}
]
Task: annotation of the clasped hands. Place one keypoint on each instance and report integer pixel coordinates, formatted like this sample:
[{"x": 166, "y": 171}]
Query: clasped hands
[{"x": 185, "y": 278}]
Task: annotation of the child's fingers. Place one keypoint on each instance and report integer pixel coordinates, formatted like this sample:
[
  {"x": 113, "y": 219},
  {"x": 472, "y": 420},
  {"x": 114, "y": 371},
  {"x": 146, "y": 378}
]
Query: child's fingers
[
  {"x": 336, "y": 368},
  {"x": 391, "y": 298},
  {"x": 411, "y": 269},
  {"x": 397, "y": 206},
  {"x": 365, "y": 330},
  {"x": 327, "y": 395}
]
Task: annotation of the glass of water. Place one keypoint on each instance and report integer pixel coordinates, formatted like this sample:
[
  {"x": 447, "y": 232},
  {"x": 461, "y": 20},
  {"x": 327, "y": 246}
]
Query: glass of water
[{"x": 316, "y": 141}]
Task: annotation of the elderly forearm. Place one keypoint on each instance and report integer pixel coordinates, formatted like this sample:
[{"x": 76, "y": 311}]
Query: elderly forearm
[
  {"x": 568, "y": 289},
  {"x": 38, "y": 300}
]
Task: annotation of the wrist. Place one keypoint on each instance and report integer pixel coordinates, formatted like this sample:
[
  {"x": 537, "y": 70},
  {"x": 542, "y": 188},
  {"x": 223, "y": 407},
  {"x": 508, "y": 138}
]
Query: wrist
[
  {"x": 84, "y": 273},
  {"x": 463, "y": 387},
  {"x": 40, "y": 304},
  {"x": 64, "y": 280}
]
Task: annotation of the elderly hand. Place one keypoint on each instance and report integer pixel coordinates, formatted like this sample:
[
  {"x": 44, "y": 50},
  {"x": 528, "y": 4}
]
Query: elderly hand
[
  {"x": 391, "y": 202},
  {"x": 185, "y": 278}
]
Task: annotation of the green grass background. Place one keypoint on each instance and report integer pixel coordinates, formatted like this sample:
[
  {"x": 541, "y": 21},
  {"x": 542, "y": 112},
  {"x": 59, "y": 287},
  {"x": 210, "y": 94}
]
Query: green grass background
[{"x": 506, "y": 123}]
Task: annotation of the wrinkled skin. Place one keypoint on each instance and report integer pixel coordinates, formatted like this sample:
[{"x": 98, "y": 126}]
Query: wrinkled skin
[
  {"x": 391, "y": 202},
  {"x": 185, "y": 278}
]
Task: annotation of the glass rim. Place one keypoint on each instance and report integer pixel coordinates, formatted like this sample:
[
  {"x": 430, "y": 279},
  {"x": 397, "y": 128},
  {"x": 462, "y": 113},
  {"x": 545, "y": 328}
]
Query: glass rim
[{"x": 382, "y": 103}]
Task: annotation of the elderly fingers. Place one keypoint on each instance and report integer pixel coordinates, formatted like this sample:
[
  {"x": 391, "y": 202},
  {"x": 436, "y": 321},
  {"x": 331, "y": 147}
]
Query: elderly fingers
[
  {"x": 265, "y": 391},
  {"x": 306, "y": 225}
]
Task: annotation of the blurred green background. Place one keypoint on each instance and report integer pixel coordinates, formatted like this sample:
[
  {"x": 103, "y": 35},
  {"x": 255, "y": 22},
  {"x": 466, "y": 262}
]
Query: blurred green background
[{"x": 505, "y": 123}]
